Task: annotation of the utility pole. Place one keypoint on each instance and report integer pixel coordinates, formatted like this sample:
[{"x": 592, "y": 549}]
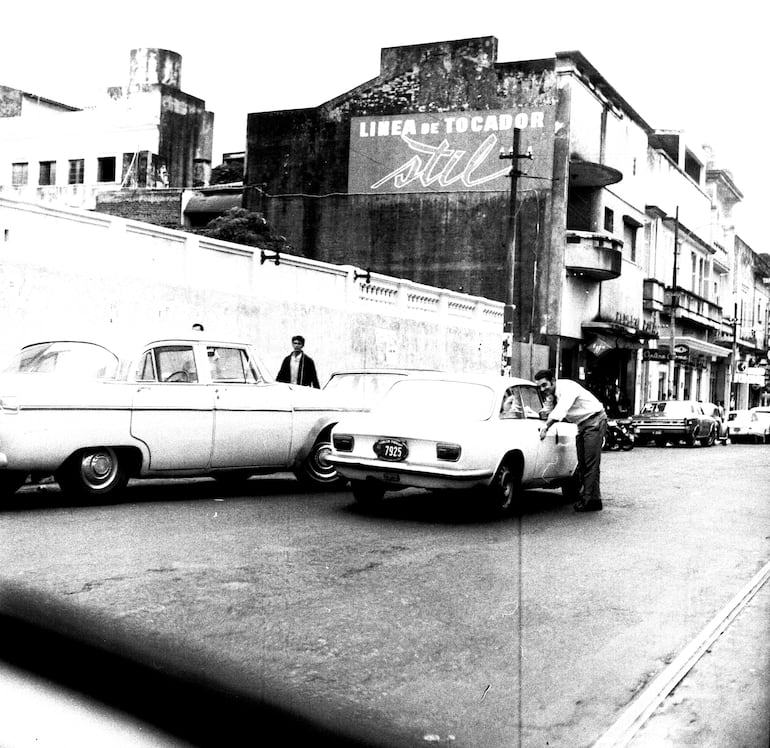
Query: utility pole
[
  {"x": 734, "y": 364},
  {"x": 506, "y": 362},
  {"x": 674, "y": 304}
]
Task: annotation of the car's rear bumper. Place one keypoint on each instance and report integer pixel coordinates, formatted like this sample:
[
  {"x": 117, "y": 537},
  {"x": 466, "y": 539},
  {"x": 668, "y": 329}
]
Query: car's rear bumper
[
  {"x": 400, "y": 476},
  {"x": 644, "y": 429}
]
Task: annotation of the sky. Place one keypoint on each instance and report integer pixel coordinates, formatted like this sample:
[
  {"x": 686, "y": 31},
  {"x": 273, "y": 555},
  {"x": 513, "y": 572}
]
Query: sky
[{"x": 696, "y": 67}]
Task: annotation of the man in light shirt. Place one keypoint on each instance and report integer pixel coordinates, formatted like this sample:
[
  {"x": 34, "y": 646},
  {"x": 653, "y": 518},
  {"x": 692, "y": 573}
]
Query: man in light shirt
[{"x": 575, "y": 404}]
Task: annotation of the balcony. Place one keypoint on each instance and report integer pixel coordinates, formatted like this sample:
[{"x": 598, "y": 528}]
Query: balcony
[
  {"x": 695, "y": 309},
  {"x": 594, "y": 256},
  {"x": 745, "y": 336},
  {"x": 653, "y": 295}
]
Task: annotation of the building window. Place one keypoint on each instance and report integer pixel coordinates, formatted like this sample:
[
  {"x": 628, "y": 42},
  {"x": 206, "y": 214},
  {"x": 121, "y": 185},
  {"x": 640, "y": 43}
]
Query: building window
[
  {"x": 76, "y": 171},
  {"x": 630, "y": 229},
  {"x": 105, "y": 171},
  {"x": 609, "y": 220},
  {"x": 20, "y": 174},
  {"x": 47, "y": 173}
]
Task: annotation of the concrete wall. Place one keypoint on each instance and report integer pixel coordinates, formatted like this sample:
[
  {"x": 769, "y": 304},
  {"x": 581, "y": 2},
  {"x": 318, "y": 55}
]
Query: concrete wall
[{"x": 67, "y": 269}]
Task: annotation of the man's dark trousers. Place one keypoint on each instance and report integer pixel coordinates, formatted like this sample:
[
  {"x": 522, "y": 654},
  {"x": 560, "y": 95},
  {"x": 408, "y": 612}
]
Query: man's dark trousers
[{"x": 590, "y": 436}]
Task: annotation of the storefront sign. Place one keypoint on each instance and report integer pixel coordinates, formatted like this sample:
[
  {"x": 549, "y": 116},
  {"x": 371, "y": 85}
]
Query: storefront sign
[
  {"x": 654, "y": 355},
  {"x": 448, "y": 151},
  {"x": 751, "y": 375}
]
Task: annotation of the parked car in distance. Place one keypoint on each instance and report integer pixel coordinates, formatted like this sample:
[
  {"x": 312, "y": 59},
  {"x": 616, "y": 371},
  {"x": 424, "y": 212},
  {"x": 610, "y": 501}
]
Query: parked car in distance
[
  {"x": 719, "y": 415},
  {"x": 362, "y": 388},
  {"x": 456, "y": 432},
  {"x": 751, "y": 425},
  {"x": 662, "y": 421},
  {"x": 96, "y": 414}
]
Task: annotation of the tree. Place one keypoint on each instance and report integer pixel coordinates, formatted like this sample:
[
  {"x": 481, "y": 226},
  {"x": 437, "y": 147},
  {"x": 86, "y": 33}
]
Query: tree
[
  {"x": 241, "y": 226},
  {"x": 232, "y": 171}
]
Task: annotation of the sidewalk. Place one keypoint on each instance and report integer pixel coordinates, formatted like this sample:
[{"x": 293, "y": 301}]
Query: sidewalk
[{"x": 724, "y": 701}]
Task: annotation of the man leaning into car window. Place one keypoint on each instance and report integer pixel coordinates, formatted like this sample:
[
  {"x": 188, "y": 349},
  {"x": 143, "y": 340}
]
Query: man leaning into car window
[{"x": 575, "y": 404}]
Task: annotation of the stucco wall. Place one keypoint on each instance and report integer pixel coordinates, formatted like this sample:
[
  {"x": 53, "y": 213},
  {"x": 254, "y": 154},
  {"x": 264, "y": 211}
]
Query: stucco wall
[{"x": 66, "y": 269}]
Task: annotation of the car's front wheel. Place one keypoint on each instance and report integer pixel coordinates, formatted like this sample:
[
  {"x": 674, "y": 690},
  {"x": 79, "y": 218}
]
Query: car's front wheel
[
  {"x": 367, "y": 492},
  {"x": 96, "y": 472},
  {"x": 710, "y": 439},
  {"x": 504, "y": 490},
  {"x": 10, "y": 482},
  {"x": 316, "y": 469}
]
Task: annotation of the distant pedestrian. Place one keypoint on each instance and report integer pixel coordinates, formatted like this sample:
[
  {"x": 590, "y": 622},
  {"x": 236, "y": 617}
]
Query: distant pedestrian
[
  {"x": 575, "y": 404},
  {"x": 298, "y": 367}
]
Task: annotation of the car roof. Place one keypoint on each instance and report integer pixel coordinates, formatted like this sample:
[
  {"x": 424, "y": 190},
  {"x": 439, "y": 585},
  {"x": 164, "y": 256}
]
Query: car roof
[
  {"x": 491, "y": 380},
  {"x": 382, "y": 370}
]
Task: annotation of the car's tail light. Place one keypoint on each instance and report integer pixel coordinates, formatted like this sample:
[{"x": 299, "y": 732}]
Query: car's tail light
[
  {"x": 9, "y": 404},
  {"x": 450, "y": 452},
  {"x": 343, "y": 442}
]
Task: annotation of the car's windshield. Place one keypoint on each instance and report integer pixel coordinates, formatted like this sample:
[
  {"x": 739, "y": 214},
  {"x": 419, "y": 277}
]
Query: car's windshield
[
  {"x": 460, "y": 400},
  {"x": 65, "y": 358}
]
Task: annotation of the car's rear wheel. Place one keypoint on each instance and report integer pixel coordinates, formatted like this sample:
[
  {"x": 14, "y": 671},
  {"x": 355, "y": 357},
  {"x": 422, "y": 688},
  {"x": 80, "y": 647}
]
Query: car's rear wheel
[
  {"x": 367, "y": 492},
  {"x": 96, "y": 472},
  {"x": 10, "y": 482},
  {"x": 316, "y": 469},
  {"x": 504, "y": 490}
]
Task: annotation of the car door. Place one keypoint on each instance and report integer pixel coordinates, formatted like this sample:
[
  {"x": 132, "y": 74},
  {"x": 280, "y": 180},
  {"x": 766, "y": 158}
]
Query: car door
[
  {"x": 253, "y": 419},
  {"x": 551, "y": 457},
  {"x": 172, "y": 411}
]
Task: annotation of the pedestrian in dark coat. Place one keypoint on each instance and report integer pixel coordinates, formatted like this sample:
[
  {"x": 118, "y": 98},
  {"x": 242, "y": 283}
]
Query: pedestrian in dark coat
[{"x": 298, "y": 367}]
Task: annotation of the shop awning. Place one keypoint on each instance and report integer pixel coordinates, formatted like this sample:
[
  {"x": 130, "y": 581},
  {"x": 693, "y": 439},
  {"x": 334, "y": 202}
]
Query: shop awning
[
  {"x": 697, "y": 346},
  {"x": 216, "y": 204},
  {"x": 619, "y": 330}
]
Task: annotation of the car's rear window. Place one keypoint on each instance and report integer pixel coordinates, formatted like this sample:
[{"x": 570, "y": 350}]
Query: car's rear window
[
  {"x": 671, "y": 408},
  {"x": 436, "y": 398},
  {"x": 362, "y": 388},
  {"x": 64, "y": 358}
]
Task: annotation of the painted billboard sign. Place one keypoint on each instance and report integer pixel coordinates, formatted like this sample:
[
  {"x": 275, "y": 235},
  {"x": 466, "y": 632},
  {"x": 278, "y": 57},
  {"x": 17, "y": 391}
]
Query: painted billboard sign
[{"x": 448, "y": 151}]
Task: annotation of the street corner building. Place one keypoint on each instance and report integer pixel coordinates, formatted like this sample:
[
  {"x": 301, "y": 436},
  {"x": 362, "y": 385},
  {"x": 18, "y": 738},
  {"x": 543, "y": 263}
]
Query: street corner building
[{"x": 537, "y": 184}]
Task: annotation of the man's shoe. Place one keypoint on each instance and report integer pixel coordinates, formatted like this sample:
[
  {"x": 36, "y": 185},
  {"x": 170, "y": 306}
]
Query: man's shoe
[{"x": 589, "y": 506}]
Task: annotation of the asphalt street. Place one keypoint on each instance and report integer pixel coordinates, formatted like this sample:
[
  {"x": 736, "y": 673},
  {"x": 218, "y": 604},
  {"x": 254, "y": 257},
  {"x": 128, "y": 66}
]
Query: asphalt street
[{"x": 428, "y": 616}]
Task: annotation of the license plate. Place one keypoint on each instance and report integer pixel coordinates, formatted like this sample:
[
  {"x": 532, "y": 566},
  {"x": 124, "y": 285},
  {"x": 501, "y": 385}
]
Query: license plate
[{"x": 392, "y": 450}]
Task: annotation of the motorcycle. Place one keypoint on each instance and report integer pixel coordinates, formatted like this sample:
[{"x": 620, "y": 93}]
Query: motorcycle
[{"x": 620, "y": 435}]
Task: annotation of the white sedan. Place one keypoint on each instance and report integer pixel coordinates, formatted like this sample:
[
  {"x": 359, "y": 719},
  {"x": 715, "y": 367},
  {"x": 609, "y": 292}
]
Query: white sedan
[
  {"x": 173, "y": 407},
  {"x": 443, "y": 432}
]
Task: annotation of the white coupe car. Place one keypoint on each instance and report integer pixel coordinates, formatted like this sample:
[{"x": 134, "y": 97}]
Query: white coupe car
[
  {"x": 175, "y": 407},
  {"x": 443, "y": 432}
]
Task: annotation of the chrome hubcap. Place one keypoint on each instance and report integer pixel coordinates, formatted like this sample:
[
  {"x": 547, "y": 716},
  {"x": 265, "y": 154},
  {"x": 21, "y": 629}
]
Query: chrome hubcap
[{"x": 98, "y": 468}]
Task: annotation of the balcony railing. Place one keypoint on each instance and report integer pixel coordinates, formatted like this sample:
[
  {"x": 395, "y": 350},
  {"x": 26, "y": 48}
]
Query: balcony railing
[
  {"x": 695, "y": 309},
  {"x": 592, "y": 255},
  {"x": 745, "y": 335}
]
